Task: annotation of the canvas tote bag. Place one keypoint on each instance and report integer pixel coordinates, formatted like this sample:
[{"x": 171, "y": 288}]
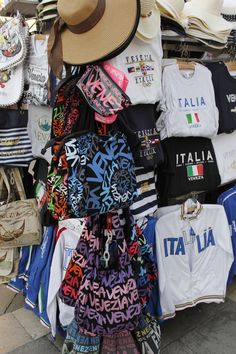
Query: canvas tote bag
[{"x": 19, "y": 220}]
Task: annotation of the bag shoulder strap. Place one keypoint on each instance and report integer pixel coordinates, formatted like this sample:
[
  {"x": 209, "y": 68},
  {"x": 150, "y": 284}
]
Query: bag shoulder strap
[{"x": 19, "y": 183}]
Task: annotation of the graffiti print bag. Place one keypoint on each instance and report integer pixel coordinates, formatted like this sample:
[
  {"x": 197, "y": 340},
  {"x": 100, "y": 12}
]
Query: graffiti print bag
[
  {"x": 101, "y": 174},
  {"x": 19, "y": 220},
  {"x": 120, "y": 343},
  {"x": 69, "y": 289},
  {"x": 108, "y": 300},
  {"x": 148, "y": 335}
]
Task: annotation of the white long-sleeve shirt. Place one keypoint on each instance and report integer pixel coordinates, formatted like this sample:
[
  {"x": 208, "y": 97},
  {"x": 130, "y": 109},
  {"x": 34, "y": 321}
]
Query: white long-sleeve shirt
[{"x": 69, "y": 232}]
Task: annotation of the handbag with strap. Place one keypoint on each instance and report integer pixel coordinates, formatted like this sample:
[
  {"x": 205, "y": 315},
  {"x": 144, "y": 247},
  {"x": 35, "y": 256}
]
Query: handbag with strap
[
  {"x": 120, "y": 343},
  {"x": 15, "y": 144},
  {"x": 19, "y": 220},
  {"x": 9, "y": 263},
  {"x": 108, "y": 300},
  {"x": 148, "y": 335},
  {"x": 78, "y": 343}
]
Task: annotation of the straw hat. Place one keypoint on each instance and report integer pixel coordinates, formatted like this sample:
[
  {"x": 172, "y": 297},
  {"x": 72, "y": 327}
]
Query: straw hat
[
  {"x": 170, "y": 8},
  {"x": 229, "y": 12},
  {"x": 149, "y": 22},
  {"x": 93, "y": 30},
  {"x": 208, "y": 14}
]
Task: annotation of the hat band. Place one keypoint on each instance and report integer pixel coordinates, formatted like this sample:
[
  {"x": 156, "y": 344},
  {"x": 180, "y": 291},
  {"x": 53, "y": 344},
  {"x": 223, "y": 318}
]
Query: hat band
[
  {"x": 91, "y": 21},
  {"x": 229, "y": 18}
]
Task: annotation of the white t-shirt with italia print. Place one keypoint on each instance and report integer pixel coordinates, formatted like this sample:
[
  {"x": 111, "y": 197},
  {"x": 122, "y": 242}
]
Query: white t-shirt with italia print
[
  {"x": 141, "y": 63},
  {"x": 188, "y": 105}
]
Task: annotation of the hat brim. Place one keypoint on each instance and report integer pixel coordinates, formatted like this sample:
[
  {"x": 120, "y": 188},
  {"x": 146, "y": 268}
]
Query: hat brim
[
  {"x": 48, "y": 8},
  {"x": 111, "y": 35},
  {"x": 166, "y": 9},
  {"x": 149, "y": 26},
  {"x": 44, "y": 3},
  {"x": 212, "y": 22}
]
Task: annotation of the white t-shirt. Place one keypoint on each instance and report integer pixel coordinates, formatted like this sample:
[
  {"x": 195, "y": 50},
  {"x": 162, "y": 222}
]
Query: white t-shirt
[
  {"x": 188, "y": 105},
  {"x": 194, "y": 258},
  {"x": 37, "y": 72},
  {"x": 39, "y": 130},
  {"x": 141, "y": 63},
  {"x": 225, "y": 151}
]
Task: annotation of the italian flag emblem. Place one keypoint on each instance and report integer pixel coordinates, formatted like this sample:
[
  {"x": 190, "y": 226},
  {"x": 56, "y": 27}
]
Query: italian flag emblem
[
  {"x": 192, "y": 118},
  {"x": 195, "y": 170}
]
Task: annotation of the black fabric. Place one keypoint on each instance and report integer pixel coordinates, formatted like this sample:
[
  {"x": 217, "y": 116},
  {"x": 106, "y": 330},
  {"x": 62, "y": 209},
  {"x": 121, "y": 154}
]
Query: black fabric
[
  {"x": 225, "y": 93},
  {"x": 138, "y": 123},
  {"x": 190, "y": 166}
]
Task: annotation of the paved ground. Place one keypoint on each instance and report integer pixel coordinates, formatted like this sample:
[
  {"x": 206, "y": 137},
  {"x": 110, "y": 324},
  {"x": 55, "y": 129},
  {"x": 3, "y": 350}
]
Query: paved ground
[{"x": 205, "y": 329}]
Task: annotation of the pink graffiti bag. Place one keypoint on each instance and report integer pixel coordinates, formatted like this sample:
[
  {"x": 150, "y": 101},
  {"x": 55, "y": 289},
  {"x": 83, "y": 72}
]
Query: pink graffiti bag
[
  {"x": 108, "y": 300},
  {"x": 101, "y": 92}
]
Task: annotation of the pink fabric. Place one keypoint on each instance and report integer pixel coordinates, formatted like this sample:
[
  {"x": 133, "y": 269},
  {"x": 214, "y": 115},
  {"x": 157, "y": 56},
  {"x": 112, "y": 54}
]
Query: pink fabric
[{"x": 121, "y": 80}]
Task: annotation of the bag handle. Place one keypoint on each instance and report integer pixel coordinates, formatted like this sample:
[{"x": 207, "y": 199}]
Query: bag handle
[
  {"x": 7, "y": 184},
  {"x": 19, "y": 183}
]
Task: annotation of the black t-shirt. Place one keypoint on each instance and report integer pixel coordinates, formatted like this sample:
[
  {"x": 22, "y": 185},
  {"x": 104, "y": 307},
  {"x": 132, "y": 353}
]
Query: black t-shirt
[
  {"x": 190, "y": 166},
  {"x": 225, "y": 93},
  {"x": 138, "y": 123}
]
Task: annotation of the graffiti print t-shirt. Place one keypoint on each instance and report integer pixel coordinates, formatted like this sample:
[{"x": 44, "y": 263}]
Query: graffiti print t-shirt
[
  {"x": 141, "y": 63},
  {"x": 188, "y": 105},
  {"x": 190, "y": 166}
]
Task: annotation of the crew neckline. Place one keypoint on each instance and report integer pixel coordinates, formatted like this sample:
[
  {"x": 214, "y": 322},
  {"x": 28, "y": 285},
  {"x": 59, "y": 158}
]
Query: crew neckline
[
  {"x": 230, "y": 77},
  {"x": 187, "y": 81}
]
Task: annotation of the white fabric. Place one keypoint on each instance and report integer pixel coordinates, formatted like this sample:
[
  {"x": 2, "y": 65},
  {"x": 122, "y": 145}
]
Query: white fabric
[
  {"x": 225, "y": 151},
  {"x": 39, "y": 130},
  {"x": 188, "y": 105},
  {"x": 194, "y": 258},
  {"x": 65, "y": 246},
  {"x": 141, "y": 63},
  {"x": 36, "y": 73}
]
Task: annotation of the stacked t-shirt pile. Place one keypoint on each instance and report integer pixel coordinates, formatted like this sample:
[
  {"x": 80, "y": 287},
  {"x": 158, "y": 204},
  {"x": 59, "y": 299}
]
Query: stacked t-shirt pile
[{"x": 188, "y": 120}]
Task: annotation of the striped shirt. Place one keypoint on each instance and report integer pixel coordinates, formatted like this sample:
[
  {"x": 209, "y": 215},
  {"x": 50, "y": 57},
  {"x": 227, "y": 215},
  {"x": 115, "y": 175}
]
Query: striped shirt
[{"x": 147, "y": 202}]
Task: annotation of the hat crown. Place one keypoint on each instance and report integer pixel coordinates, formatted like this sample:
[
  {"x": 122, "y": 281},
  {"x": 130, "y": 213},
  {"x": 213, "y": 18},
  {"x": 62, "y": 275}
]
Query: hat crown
[
  {"x": 213, "y": 7},
  {"x": 175, "y": 6},
  {"x": 147, "y": 7},
  {"x": 229, "y": 7},
  {"x": 74, "y": 12}
]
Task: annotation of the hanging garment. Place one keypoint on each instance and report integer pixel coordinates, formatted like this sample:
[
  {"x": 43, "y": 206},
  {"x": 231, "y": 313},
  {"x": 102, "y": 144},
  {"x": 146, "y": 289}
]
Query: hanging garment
[
  {"x": 194, "y": 258},
  {"x": 147, "y": 201},
  {"x": 36, "y": 71},
  {"x": 228, "y": 200},
  {"x": 68, "y": 233},
  {"x": 225, "y": 151},
  {"x": 225, "y": 93},
  {"x": 190, "y": 166},
  {"x": 138, "y": 123},
  {"x": 39, "y": 129},
  {"x": 141, "y": 63},
  {"x": 189, "y": 107}
]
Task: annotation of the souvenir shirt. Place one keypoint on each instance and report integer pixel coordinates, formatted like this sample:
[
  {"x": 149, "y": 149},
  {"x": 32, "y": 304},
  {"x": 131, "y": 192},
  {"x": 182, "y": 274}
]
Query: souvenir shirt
[
  {"x": 225, "y": 91},
  {"x": 141, "y": 63},
  {"x": 200, "y": 251},
  {"x": 139, "y": 125},
  {"x": 36, "y": 73},
  {"x": 225, "y": 150},
  {"x": 190, "y": 166},
  {"x": 188, "y": 105},
  {"x": 39, "y": 129}
]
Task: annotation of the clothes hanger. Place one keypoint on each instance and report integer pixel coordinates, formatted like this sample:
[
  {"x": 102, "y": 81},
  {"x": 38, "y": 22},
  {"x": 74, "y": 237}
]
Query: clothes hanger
[
  {"x": 191, "y": 208},
  {"x": 231, "y": 65},
  {"x": 186, "y": 65}
]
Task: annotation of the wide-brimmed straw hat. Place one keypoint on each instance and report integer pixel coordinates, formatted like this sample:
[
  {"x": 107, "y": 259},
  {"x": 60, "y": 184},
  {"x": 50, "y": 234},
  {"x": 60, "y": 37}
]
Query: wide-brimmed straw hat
[
  {"x": 229, "y": 12},
  {"x": 150, "y": 21},
  {"x": 93, "y": 30},
  {"x": 208, "y": 14}
]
